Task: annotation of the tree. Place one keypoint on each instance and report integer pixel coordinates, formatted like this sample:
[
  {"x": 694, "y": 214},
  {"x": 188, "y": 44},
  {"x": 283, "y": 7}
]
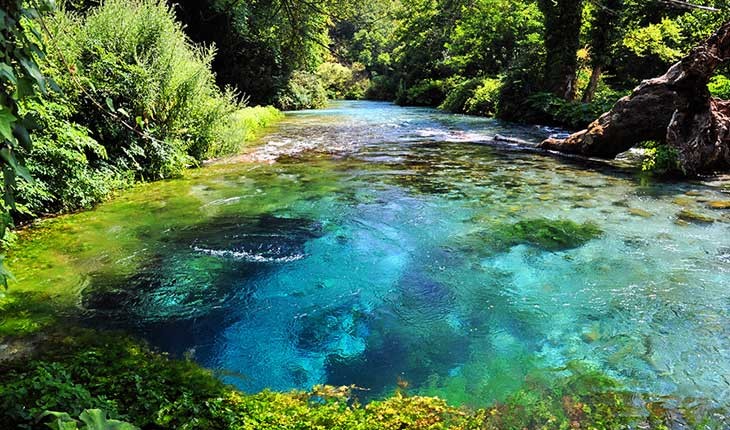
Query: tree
[
  {"x": 604, "y": 33},
  {"x": 20, "y": 79},
  {"x": 675, "y": 108},
  {"x": 563, "y": 20}
]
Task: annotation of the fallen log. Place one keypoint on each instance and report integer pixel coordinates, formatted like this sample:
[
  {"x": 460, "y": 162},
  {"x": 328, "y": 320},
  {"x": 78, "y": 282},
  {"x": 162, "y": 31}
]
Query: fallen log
[{"x": 675, "y": 109}]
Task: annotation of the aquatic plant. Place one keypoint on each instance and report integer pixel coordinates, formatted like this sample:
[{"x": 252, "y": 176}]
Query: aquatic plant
[{"x": 544, "y": 233}]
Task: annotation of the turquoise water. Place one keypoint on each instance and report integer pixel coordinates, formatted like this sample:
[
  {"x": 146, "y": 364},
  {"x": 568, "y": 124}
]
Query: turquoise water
[{"x": 365, "y": 244}]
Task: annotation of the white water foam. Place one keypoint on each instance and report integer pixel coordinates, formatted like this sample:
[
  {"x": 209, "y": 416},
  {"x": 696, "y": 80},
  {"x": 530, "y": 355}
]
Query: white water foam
[{"x": 247, "y": 256}]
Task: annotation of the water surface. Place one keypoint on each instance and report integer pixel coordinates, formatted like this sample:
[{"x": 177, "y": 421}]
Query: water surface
[{"x": 365, "y": 244}]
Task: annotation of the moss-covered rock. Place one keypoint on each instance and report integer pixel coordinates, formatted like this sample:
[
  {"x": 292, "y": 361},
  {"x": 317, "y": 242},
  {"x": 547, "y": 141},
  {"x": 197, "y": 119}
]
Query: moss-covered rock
[
  {"x": 694, "y": 217},
  {"x": 719, "y": 204}
]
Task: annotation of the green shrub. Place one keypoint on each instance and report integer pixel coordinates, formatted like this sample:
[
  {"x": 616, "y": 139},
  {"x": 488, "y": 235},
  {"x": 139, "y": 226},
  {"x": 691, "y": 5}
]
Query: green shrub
[
  {"x": 381, "y": 87},
  {"x": 25, "y": 396},
  {"x": 720, "y": 87},
  {"x": 343, "y": 82},
  {"x": 243, "y": 126},
  {"x": 456, "y": 99},
  {"x": 138, "y": 101},
  {"x": 304, "y": 91},
  {"x": 93, "y": 419},
  {"x": 71, "y": 169},
  {"x": 485, "y": 99},
  {"x": 83, "y": 370},
  {"x": 659, "y": 158},
  {"x": 548, "y": 108},
  {"x": 478, "y": 96},
  {"x": 108, "y": 372},
  {"x": 429, "y": 92}
]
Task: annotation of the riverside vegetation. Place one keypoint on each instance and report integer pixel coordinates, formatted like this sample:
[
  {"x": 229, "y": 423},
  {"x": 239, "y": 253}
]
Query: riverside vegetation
[{"x": 100, "y": 95}]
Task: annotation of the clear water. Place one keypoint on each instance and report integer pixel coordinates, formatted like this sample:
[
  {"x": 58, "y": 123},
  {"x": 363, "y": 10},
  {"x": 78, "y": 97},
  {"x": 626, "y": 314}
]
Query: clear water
[{"x": 356, "y": 245}]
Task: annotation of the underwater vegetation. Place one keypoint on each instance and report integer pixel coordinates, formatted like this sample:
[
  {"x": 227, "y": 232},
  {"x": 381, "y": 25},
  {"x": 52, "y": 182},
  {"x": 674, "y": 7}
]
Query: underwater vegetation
[{"x": 543, "y": 233}]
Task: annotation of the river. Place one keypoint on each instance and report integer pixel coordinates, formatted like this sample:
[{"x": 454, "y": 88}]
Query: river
[{"x": 375, "y": 245}]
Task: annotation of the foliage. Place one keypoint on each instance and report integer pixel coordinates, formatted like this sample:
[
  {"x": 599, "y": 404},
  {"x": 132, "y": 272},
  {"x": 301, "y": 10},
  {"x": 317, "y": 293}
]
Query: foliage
[
  {"x": 304, "y": 91},
  {"x": 262, "y": 43},
  {"x": 343, "y": 82},
  {"x": 659, "y": 158},
  {"x": 138, "y": 101},
  {"x": 719, "y": 87},
  {"x": 20, "y": 80},
  {"x": 143, "y": 90},
  {"x": 86, "y": 372},
  {"x": 70, "y": 168},
  {"x": 429, "y": 92},
  {"x": 548, "y": 108},
  {"x": 112, "y": 373},
  {"x": 93, "y": 419},
  {"x": 478, "y": 96},
  {"x": 660, "y": 39},
  {"x": 488, "y": 38}
]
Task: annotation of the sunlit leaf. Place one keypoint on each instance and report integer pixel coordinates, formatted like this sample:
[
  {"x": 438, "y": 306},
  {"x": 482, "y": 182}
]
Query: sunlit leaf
[{"x": 7, "y": 122}]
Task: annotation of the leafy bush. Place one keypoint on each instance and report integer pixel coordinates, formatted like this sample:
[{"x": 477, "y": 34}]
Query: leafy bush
[
  {"x": 71, "y": 169},
  {"x": 381, "y": 87},
  {"x": 719, "y": 87},
  {"x": 485, "y": 99},
  {"x": 479, "y": 96},
  {"x": 108, "y": 372},
  {"x": 304, "y": 91},
  {"x": 342, "y": 82},
  {"x": 138, "y": 101},
  {"x": 660, "y": 159},
  {"x": 456, "y": 98},
  {"x": 548, "y": 108},
  {"x": 243, "y": 126},
  {"x": 83, "y": 370},
  {"x": 133, "y": 59},
  {"x": 93, "y": 419},
  {"x": 428, "y": 92}
]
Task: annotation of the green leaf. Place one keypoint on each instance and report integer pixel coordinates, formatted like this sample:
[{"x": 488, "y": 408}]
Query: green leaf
[
  {"x": 110, "y": 104},
  {"x": 62, "y": 421},
  {"x": 32, "y": 68},
  {"x": 21, "y": 133},
  {"x": 7, "y": 121},
  {"x": 9, "y": 157},
  {"x": 7, "y": 73},
  {"x": 24, "y": 88},
  {"x": 95, "y": 419}
]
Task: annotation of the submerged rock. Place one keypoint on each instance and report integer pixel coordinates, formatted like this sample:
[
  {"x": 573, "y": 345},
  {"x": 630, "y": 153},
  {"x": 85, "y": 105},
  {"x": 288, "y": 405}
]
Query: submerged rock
[
  {"x": 694, "y": 217},
  {"x": 640, "y": 212},
  {"x": 719, "y": 204}
]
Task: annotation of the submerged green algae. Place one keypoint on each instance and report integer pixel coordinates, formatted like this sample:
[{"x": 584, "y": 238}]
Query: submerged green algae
[{"x": 551, "y": 235}]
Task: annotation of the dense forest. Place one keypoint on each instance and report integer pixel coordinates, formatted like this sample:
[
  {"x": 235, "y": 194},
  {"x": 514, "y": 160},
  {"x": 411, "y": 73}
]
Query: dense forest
[
  {"x": 119, "y": 92},
  {"x": 99, "y": 95}
]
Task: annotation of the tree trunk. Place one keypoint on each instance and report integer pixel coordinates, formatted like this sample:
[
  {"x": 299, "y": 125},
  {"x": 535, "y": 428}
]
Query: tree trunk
[
  {"x": 675, "y": 108},
  {"x": 604, "y": 32},
  {"x": 562, "y": 40},
  {"x": 590, "y": 90}
]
